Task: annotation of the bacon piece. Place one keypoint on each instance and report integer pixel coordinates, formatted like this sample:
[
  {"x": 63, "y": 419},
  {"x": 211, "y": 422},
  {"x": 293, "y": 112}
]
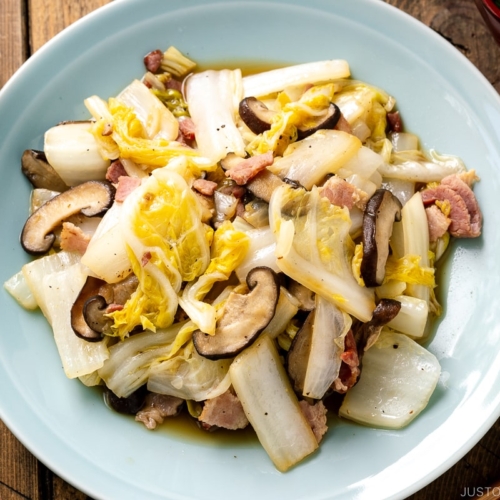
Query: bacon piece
[
  {"x": 156, "y": 408},
  {"x": 152, "y": 60},
  {"x": 125, "y": 186},
  {"x": 316, "y": 417},
  {"x": 466, "y": 193},
  {"x": 224, "y": 411},
  {"x": 115, "y": 171},
  {"x": 394, "y": 121},
  {"x": 245, "y": 170},
  {"x": 187, "y": 127},
  {"x": 460, "y": 225},
  {"x": 349, "y": 369},
  {"x": 73, "y": 239},
  {"x": 174, "y": 84},
  {"x": 438, "y": 223},
  {"x": 343, "y": 194},
  {"x": 111, "y": 308},
  {"x": 205, "y": 187}
]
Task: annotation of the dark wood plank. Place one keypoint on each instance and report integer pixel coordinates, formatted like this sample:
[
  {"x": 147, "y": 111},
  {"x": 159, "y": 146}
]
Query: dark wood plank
[
  {"x": 459, "y": 22},
  {"x": 13, "y": 46},
  {"x": 18, "y": 469},
  {"x": 46, "y": 22}
]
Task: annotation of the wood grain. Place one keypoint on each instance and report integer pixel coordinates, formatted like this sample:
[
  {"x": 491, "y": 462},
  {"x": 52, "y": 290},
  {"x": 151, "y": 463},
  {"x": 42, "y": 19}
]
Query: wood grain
[
  {"x": 45, "y": 22},
  {"x": 13, "y": 49},
  {"x": 25, "y": 25}
]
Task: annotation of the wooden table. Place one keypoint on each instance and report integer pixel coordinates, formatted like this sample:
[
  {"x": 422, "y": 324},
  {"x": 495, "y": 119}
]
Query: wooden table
[{"x": 26, "y": 25}]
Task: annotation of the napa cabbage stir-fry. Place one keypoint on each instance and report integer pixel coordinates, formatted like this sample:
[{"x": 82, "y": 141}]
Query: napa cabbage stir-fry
[{"x": 244, "y": 249}]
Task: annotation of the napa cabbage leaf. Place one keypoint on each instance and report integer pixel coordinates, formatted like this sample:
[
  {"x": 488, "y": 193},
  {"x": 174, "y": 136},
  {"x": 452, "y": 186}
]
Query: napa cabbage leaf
[
  {"x": 314, "y": 248},
  {"x": 167, "y": 244},
  {"x": 228, "y": 250}
]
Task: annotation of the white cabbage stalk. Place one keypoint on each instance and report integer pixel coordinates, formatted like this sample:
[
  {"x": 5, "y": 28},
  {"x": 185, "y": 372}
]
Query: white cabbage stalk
[
  {"x": 40, "y": 196},
  {"x": 132, "y": 169},
  {"x": 361, "y": 130},
  {"x": 362, "y": 184},
  {"x": 34, "y": 272},
  {"x": 130, "y": 360},
  {"x": 355, "y": 103},
  {"x": 268, "y": 82},
  {"x": 189, "y": 376},
  {"x": 18, "y": 287},
  {"x": 421, "y": 171},
  {"x": 157, "y": 120},
  {"x": 74, "y": 153},
  {"x": 401, "y": 189},
  {"x": 327, "y": 345},
  {"x": 261, "y": 251},
  {"x": 363, "y": 164},
  {"x": 201, "y": 313},
  {"x": 225, "y": 206},
  {"x": 263, "y": 387},
  {"x": 314, "y": 249},
  {"x": 106, "y": 255},
  {"x": 286, "y": 308},
  {"x": 412, "y": 317},
  {"x": 98, "y": 108},
  {"x": 310, "y": 160},
  {"x": 416, "y": 240},
  {"x": 213, "y": 98},
  {"x": 91, "y": 380},
  {"x": 390, "y": 290},
  {"x": 404, "y": 141},
  {"x": 396, "y": 383},
  {"x": 79, "y": 357},
  {"x": 356, "y": 216}
]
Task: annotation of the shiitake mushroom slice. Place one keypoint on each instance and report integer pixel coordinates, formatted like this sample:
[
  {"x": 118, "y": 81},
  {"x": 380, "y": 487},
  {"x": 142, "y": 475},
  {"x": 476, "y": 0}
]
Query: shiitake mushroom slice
[
  {"x": 381, "y": 211},
  {"x": 243, "y": 318}
]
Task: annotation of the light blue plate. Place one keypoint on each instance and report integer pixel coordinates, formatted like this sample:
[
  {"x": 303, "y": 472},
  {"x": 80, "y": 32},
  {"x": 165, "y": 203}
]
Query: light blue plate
[{"x": 441, "y": 96}]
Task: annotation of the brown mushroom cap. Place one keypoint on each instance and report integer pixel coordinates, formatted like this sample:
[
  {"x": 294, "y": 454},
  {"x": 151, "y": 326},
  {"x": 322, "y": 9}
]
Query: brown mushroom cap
[
  {"x": 366, "y": 334},
  {"x": 243, "y": 318},
  {"x": 327, "y": 120},
  {"x": 81, "y": 328},
  {"x": 90, "y": 198},
  {"x": 256, "y": 115},
  {"x": 298, "y": 355},
  {"x": 382, "y": 209},
  {"x": 35, "y": 167},
  {"x": 88, "y": 314}
]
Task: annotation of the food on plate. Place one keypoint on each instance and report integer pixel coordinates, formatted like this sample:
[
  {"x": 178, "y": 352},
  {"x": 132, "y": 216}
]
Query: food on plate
[{"x": 244, "y": 249}]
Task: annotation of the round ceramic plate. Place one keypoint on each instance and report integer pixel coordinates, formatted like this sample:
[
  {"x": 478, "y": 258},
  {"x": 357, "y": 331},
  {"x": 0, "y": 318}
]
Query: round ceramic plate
[{"x": 441, "y": 96}]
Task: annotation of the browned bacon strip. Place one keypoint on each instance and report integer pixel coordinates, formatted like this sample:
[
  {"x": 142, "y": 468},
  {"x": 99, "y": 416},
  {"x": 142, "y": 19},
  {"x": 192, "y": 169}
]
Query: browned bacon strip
[
  {"x": 73, "y": 239},
  {"x": 316, "y": 416},
  {"x": 115, "y": 171},
  {"x": 343, "y": 194},
  {"x": 224, "y": 411},
  {"x": 459, "y": 215},
  {"x": 152, "y": 60},
  {"x": 466, "y": 193},
  {"x": 156, "y": 408},
  {"x": 438, "y": 223},
  {"x": 125, "y": 186},
  {"x": 349, "y": 369},
  {"x": 205, "y": 187},
  {"x": 245, "y": 170},
  {"x": 187, "y": 128}
]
